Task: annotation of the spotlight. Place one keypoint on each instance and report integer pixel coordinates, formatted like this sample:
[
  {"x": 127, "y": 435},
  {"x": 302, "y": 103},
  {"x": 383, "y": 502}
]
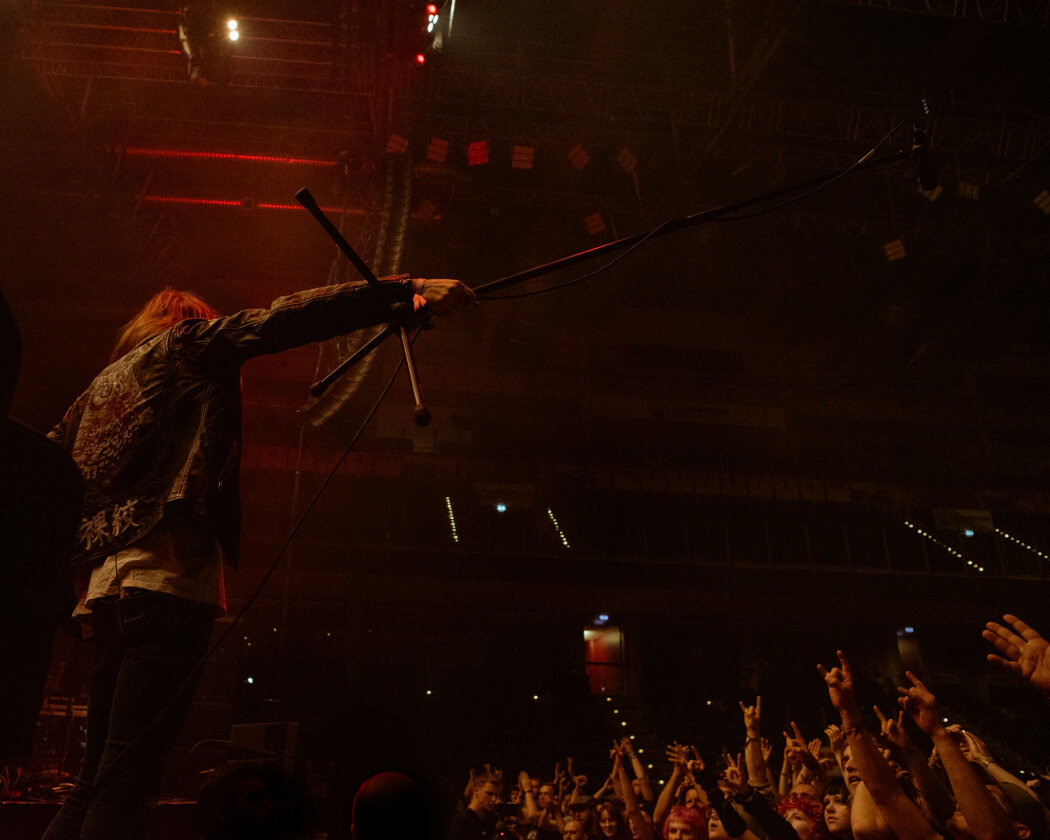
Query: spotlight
[{"x": 207, "y": 42}]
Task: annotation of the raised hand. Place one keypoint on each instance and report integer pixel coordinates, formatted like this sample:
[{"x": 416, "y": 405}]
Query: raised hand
[
  {"x": 678, "y": 755},
  {"x": 893, "y": 728},
  {"x": 840, "y": 685},
  {"x": 767, "y": 749},
  {"x": 835, "y": 740},
  {"x": 1023, "y": 650},
  {"x": 752, "y": 717},
  {"x": 736, "y": 775},
  {"x": 919, "y": 702},
  {"x": 797, "y": 750},
  {"x": 561, "y": 777},
  {"x": 975, "y": 748}
]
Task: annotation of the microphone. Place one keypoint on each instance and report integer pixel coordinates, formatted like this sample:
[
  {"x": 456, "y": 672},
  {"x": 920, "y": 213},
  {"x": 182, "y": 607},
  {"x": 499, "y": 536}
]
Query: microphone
[{"x": 920, "y": 147}]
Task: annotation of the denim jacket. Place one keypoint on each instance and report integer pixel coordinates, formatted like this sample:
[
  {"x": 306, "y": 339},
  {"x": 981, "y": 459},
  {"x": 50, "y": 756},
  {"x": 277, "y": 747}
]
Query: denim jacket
[{"x": 157, "y": 433}]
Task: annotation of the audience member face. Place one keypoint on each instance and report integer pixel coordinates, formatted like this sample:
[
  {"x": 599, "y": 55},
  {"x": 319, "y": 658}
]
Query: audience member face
[
  {"x": 534, "y": 783},
  {"x": 584, "y": 816},
  {"x": 715, "y": 829},
  {"x": 486, "y": 798},
  {"x": 545, "y": 799},
  {"x": 683, "y": 831},
  {"x": 836, "y": 815},
  {"x": 959, "y": 829},
  {"x": 849, "y": 770},
  {"x": 801, "y": 822},
  {"x": 573, "y": 830},
  {"x": 692, "y": 799},
  {"x": 607, "y": 823},
  {"x": 634, "y": 829}
]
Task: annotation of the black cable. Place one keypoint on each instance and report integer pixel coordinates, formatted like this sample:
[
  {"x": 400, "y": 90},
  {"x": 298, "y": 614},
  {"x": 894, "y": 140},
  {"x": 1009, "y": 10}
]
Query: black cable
[
  {"x": 648, "y": 235},
  {"x": 825, "y": 184},
  {"x": 715, "y": 217}
]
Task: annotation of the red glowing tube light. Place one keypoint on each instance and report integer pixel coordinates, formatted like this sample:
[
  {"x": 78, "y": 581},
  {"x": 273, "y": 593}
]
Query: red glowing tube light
[
  {"x": 136, "y": 151},
  {"x": 234, "y": 202}
]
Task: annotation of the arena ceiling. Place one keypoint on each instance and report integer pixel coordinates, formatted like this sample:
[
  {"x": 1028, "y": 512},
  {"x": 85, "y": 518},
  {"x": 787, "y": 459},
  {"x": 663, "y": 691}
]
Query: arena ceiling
[{"x": 787, "y": 341}]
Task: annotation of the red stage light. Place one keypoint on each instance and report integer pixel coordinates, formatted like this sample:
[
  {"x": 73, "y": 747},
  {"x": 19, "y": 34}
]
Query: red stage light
[
  {"x": 432, "y": 9},
  {"x": 420, "y": 58}
]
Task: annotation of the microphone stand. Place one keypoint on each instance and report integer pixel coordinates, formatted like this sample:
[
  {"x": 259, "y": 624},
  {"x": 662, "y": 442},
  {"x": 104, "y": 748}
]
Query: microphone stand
[
  {"x": 715, "y": 214},
  {"x": 422, "y": 413}
]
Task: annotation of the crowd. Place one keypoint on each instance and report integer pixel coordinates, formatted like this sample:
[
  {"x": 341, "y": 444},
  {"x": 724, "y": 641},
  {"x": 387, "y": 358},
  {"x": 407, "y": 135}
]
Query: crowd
[{"x": 858, "y": 783}]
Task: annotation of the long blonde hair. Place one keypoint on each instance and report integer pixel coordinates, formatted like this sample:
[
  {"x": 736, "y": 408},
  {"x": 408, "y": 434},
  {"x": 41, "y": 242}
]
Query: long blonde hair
[{"x": 162, "y": 311}]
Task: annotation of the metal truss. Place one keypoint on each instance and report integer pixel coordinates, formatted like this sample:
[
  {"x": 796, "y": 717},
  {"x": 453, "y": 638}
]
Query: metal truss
[
  {"x": 65, "y": 39},
  {"x": 1015, "y": 12}
]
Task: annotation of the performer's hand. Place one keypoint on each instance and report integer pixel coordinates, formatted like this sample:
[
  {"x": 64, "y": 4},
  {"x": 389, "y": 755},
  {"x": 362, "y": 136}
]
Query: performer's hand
[{"x": 442, "y": 297}]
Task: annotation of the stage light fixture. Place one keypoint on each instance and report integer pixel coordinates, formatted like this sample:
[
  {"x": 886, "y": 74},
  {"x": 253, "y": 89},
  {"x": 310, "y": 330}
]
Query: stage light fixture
[
  {"x": 207, "y": 42},
  {"x": 427, "y": 211},
  {"x": 522, "y": 157},
  {"x": 894, "y": 250},
  {"x": 628, "y": 162},
  {"x": 478, "y": 153},
  {"x": 578, "y": 156},
  {"x": 931, "y": 195},
  {"x": 421, "y": 59},
  {"x": 396, "y": 144},
  {"x": 437, "y": 150},
  {"x": 595, "y": 223}
]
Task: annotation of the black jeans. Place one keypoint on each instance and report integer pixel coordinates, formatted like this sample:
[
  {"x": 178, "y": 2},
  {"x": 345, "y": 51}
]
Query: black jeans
[{"x": 147, "y": 646}]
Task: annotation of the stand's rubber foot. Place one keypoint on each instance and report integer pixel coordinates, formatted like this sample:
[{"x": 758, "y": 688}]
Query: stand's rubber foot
[{"x": 423, "y": 417}]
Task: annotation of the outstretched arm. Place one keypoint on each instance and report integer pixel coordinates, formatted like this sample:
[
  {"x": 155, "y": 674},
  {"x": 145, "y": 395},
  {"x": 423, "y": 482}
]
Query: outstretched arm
[
  {"x": 756, "y": 762},
  {"x": 643, "y": 829},
  {"x": 984, "y": 817},
  {"x": 529, "y": 810},
  {"x": 627, "y": 748},
  {"x": 903, "y": 816},
  {"x": 676, "y": 754},
  {"x": 1024, "y": 651},
  {"x": 934, "y": 794}
]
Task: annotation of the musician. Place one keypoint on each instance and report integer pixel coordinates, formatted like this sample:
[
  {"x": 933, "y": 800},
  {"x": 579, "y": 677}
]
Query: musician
[{"x": 157, "y": 438}]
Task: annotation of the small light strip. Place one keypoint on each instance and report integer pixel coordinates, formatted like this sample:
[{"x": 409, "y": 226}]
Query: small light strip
[
  {"x": 927, "y": 535},
  {"x": 451, "y": 519},
  {"x": 557, "y": 527},
  {"x": 229, "y": 202},
  {"x": 1021, "y": 543},
  {"x": 138, "y": 151}
]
